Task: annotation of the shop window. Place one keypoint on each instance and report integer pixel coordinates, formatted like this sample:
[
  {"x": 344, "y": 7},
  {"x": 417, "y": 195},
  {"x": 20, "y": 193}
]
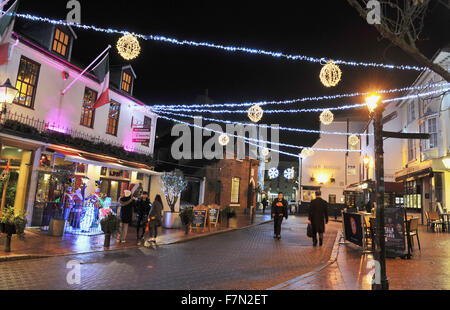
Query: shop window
[
  {"x": 412, "y": 198},
  {"x": 235, "y": 189},
  {"x": 103, "y": 171},
  {"x": 332, "y": 199},
  {"x": 127, "y": 81},
  {"x": 87, "y": 110},
  {"x": 140, "y": 176},
  {"x": 113, "y": 188},
  {"x": 81, "y": 168},
  {"x": 309, "y": 195},
  {"x": 27, "y": 79},
  {"x": 115, "y": 173},
  {"x": 113, "y": 118},
  {"x": 61, "y": 43}
]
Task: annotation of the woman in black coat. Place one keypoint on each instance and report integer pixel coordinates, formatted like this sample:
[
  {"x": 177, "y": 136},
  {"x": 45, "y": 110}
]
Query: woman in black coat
[
  {"x": 154, "y": 220},
  {"x": 127, "y": 205},
  {"x": 318, "y": 217}
]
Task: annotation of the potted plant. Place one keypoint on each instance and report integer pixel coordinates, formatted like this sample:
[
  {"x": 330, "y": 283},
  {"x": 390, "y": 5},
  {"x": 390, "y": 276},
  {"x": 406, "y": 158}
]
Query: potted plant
[
  {"x": 12, "y": 225},
  {"x": 110, "y": 225},
  {"x": 187, "y": 216},
  {"x": 173, "y": 184},
  {"x": 229, "y": 213}
]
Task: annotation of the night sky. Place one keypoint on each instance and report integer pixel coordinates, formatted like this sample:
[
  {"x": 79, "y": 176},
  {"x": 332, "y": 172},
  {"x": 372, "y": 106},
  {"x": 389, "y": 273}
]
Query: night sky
[{"x": 169, "y": 74}]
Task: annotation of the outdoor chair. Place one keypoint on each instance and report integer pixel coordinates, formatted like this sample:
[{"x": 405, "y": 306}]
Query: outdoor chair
[
  {"x": 413, "y": 230},
  {"x": 434, "y": 220}
]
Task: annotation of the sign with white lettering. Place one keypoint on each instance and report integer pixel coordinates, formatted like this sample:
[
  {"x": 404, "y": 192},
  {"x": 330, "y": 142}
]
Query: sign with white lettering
[{"x": 141, "y": 135}]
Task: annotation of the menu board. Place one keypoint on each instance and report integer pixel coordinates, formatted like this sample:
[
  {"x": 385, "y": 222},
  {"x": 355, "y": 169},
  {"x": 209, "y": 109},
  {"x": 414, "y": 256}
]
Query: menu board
[
  {"x": 353, "y": 228},
  {"x": 213, "y": 216},
  {"x": 200, "y": 217},
  {"x": 394, "y": 231}
]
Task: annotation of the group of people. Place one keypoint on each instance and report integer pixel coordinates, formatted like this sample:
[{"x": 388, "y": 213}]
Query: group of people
[
  {"x": 317, "y": 217},
  {"x": 147, "y": 215}
]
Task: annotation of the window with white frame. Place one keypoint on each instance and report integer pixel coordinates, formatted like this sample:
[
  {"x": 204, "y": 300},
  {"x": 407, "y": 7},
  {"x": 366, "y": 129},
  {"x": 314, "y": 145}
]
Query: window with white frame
[
  {"x": 411, "y": 111},
  {"x": 411, "y": 150},
  {"x": 430, "y": 126}
]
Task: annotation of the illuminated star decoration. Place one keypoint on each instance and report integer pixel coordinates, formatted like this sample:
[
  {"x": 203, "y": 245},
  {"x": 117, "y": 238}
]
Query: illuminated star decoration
[
  {"x": 331, "y": 74},
  {"x": 289, "y": 173},
  {"x": 353, "y": 140},
  {"x": 273, "y": 173},
  {"x": 128, "y": 47},
  {"x": 224, "y": 139},
  {"x": 327, "y": 117},
  {"x": 255, "y": 113}
]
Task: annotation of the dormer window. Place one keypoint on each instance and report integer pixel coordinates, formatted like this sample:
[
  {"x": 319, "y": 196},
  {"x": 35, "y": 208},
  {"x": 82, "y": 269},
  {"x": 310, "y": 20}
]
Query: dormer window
[
  {"x": 127, "y": 81},
  {"x": 61, "y": 43}
]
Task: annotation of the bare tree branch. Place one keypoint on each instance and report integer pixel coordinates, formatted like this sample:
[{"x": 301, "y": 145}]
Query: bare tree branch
[{"x": 403, "y": 27}]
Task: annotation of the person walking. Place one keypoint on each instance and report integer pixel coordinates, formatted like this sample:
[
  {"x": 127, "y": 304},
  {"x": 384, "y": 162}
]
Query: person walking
[
  {"x": 279, "y": 211},
  {"x": 318, "y": 217},
  {"x": 265, "y": 203},
  {"x": 126, "y": 215},
  {"x": 154, "y": 220},
  {"x": 142, "y": 210}
]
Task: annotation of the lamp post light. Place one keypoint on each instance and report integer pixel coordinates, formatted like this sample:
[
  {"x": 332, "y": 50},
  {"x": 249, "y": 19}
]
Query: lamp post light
[
  {"x": 7, "y": 95},
  {"x": 376, "y": 109}
]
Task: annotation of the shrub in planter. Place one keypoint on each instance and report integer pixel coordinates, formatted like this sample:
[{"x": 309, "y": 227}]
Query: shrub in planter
[
  {"x": 187, "y": 216},
  {"x": 12, "y": 225},
  {"x": 110, "y": 225}
]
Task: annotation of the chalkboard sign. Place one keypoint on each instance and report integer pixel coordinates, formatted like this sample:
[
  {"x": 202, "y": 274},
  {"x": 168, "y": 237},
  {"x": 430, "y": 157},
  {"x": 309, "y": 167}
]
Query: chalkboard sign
[
  {"x": 199, "y": 221},
  {"x": 213, "y": 216},
  {"x": 394, "y": 230}
]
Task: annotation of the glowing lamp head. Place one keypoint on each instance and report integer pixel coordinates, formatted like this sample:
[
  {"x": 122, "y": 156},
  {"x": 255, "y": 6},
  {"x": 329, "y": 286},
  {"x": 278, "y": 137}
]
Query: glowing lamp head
[
  {"x": 7, "y": 93},
  {"x": 372, "y": 102},
  {"x": 366, "y": 160},
  {"x": 322, "y": 178}
]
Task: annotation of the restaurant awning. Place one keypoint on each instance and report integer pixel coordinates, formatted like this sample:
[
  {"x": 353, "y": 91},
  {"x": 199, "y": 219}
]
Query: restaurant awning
[
  {"x": 415, "y": 175},
  {"x": 78, "y": 156}
]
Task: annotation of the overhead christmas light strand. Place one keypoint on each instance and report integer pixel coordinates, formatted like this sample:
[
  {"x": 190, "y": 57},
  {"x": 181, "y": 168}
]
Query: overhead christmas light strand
[
  {"x": 248, "y": 140},
  {"x": 281, "y": 128},
  {"x": 290, "y": 101},
  {"x": 217, "y": 46},
  {"x": 309, "y": 110}
]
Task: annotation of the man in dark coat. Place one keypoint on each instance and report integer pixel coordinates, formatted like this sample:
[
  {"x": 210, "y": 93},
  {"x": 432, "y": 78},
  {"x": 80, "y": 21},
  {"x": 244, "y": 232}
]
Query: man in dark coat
[
  {"x": 318, "y": 217},
  {"x": 142, "y": 208},
  {"x": 279, "y": 211}
]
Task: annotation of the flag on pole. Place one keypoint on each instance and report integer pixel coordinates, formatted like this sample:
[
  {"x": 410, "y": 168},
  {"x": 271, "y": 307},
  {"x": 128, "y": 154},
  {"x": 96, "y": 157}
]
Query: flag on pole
[
  {"x": 102, "y": 72},
  {"x": 6, "y": 27}
]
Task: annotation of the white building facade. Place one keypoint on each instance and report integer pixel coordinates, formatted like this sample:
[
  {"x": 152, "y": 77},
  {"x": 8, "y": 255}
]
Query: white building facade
[{"x": 44, "y": 129}]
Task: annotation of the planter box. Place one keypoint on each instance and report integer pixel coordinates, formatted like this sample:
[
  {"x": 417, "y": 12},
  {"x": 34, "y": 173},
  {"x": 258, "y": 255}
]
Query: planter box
[
  {"x": 8, "y": 229},
  {"x": 172, "y": 220},
  {"x": 233, "y": 223},
  {"x": 56, "y": 227}
]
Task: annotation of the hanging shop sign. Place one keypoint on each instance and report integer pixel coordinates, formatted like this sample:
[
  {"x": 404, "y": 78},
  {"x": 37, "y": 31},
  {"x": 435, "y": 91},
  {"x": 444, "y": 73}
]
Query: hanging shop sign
[{"x": 141, "y": 134}]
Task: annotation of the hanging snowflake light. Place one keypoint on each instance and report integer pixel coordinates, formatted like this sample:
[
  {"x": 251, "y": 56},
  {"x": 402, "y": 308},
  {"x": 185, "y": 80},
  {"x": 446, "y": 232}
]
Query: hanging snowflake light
[
  {"x": 128, "y": 47},
  {"x": 255, "y": 113},
  {"x": 289, "y": 173},
  {"x": 273, "y": 173},
  {"x": 353, "y": 140},
  {"x": 327, "y": 117},
  {"x": 331, "y": 74},
  {"x": 265, "y": 152},
  {"x": 224, "y": 139}
]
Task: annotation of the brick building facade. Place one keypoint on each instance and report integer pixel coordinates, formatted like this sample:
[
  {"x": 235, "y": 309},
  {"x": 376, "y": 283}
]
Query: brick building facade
[{"x": 232, "y": 183}]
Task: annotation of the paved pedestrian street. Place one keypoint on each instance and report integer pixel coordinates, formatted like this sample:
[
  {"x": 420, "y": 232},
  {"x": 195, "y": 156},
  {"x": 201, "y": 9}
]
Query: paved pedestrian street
[{"x": 245, "y": 259}]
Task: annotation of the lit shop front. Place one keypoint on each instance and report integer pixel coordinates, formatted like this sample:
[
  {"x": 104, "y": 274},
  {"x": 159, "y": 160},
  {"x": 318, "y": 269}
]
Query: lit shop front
[{"x": 90, "y": 176}]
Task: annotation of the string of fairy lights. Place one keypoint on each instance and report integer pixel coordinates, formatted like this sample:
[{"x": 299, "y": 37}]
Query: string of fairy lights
[{"x": 330, "y": 75}]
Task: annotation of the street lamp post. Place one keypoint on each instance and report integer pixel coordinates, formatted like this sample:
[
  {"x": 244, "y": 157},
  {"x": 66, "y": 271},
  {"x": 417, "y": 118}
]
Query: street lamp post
[
  {"x": 377, "y": 111},
  {"x": 7, "y": 95}
]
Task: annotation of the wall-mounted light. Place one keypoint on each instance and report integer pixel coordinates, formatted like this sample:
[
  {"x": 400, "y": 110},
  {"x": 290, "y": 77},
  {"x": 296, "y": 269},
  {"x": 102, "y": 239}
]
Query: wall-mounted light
[
  {"x": 7, "y": 95},
  {"x": 322, "y": 178}
]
